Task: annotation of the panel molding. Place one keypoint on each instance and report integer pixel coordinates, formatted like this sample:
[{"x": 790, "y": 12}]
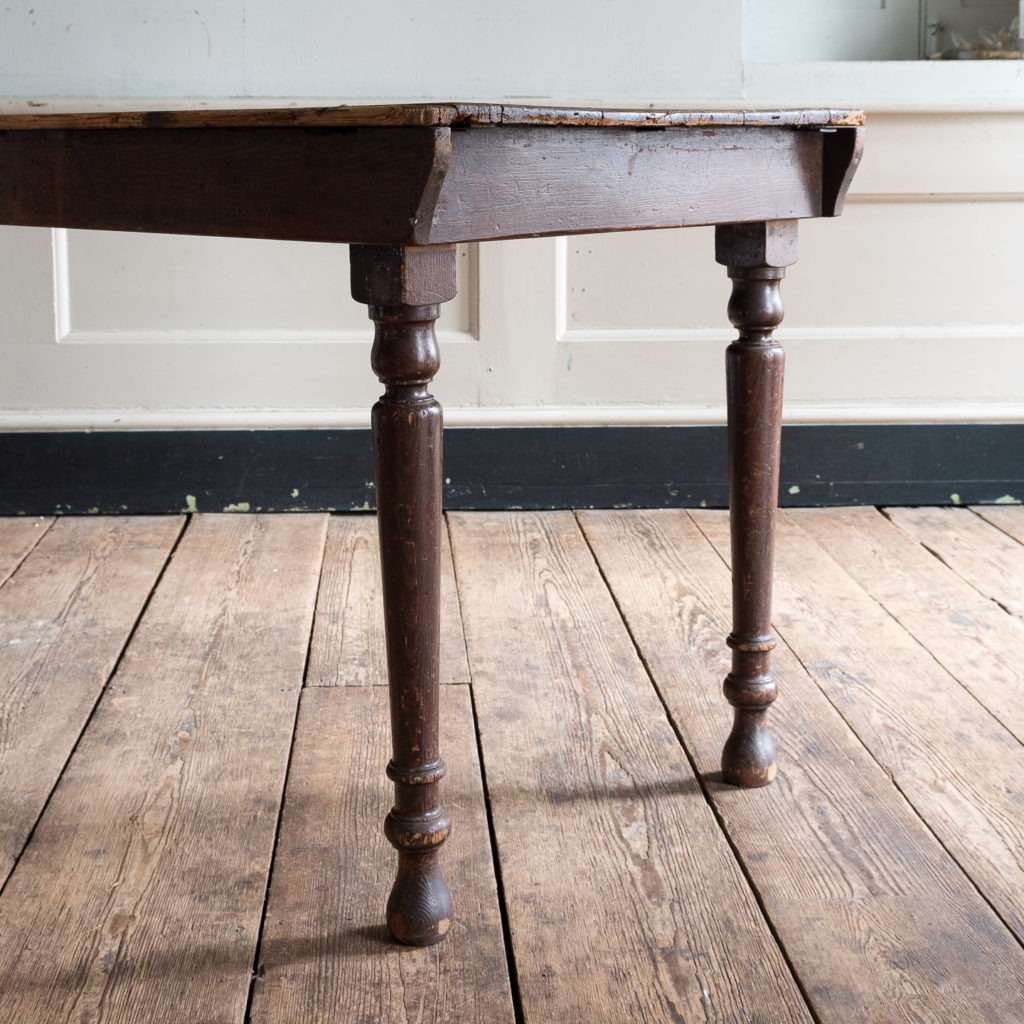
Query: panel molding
[
  {"x": 935, "y": 197},
  {"x": 61, "y": 284},
  {"x": 853, "y": 334},
  {"x": 67, "y": 334},
  {"x": 241, "y": 336},
  {"x": 794, "y": 413}
]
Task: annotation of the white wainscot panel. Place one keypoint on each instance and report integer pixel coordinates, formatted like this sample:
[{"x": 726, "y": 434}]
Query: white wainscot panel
[
  {"x": 219, "y": 328},
  {"x": 26, "y": 302},
  {"x": 643, "y": 279},
  {"x": 138, "y": 288},
  {"x": 898, "y": 308},
  {"x": 926, "y": 154}
]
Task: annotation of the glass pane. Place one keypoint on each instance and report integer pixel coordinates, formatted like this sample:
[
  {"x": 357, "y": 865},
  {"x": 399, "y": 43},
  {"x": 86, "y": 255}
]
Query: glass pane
[{"x": 972, "y": 29}]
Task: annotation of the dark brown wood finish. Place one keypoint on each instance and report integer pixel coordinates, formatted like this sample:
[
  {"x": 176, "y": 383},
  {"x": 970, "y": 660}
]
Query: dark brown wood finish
[
  {"x": 306, "y": 184},
  {"x": 841, "y": 153},
  {"x": 403, "y": 286},
  {"x": 756, "y": 256},
  {"x": 527, "y": 180}
]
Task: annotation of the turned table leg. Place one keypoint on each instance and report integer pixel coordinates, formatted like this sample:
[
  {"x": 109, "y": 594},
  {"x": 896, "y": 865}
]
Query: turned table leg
[
  {"x": 756, "y": 256},
  {"x": 403, "y": 286}
]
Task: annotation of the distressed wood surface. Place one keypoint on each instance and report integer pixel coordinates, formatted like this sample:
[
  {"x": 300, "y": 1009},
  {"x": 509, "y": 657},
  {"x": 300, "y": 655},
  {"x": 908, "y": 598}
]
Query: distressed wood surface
[
  {"x": 517, "y": 180},
  {"x": 154, "y": 848},
  {"x": 18, "y": 536},
  {"x": 977, "y": 551},
  {"x": 968, "y": 634},
  {"x": 348, "y": 632},
  {"x": 336, "y": 185},
  {"x": 1008, "y": 518},
  {"x": 64, "y": 619},
  {"x": 624, "y": 901},
  {"x": 756, "y": 257},
  {"x": 959, "y": 768},
  {"x": 877, "y": 921},
  {"x": 415, "y": 114},
  {"x": 404, "y": 286},
  {"x": 325, "y": 956},
  {"x": 421, "y": 174},
  {"x": 141, "y": 893}
]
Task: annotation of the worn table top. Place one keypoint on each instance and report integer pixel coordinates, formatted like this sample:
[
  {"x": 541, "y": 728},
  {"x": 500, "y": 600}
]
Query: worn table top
[
  {"x": 428, "y": 115},
  {"x": 420, "y": 174}
]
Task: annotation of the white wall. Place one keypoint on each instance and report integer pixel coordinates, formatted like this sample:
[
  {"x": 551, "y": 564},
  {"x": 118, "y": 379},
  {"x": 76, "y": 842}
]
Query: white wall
[
  {"x": 906, "y": 308},
  {"x": 388, "y": 48}
]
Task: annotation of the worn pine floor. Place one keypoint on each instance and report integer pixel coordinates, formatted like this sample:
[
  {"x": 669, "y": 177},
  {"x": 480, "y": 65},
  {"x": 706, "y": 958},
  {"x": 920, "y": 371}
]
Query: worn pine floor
[{"x": 193, "y": 732}]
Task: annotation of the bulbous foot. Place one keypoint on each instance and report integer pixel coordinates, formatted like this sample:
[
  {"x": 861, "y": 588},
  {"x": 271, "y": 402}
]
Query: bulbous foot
[
  {"x": 748, "y": 758},
  {"x": 419, "y": 909}
]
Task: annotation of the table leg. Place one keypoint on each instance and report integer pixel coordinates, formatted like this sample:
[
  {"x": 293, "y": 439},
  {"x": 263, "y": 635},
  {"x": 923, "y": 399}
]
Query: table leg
[
  {"x": 403, "y": 286},
  {"x": 756, "y": 256}
]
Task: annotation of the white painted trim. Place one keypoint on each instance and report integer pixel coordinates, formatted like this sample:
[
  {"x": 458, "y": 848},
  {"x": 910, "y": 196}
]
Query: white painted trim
[
  {"x": 504, "y": 416},
  {"x": 874, "y": 332},
  {"x": 561, "y": 286},
  {"x": 241, "y": 336},
  {"x": 935, "y": 104},
  {"x": 912, "y": 86},
  {"x": 935, "y": 197},
  {"x": 61, "y": 283}
]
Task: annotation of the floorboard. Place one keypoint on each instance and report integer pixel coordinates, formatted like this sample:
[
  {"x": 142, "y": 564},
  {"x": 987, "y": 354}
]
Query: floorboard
[
  {"x": 325, "y": 956},
  {"x": 65, "y": 616},
  {"x": 860, "y": 894},
  {"x": 141, "y": 893},
  {"x": 970, "y": 635},
  {"x": 348, "y": 634},
  {"x": 979, "y": 552},
  {"x": 18, "y": 536},
  {"x": 625, "y": 902},
  {"x": 1008, "y": 518}
]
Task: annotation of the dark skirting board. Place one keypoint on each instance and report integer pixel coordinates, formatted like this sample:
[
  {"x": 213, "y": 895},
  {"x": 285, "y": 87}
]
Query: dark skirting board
[{"x": 110, "y": 472}]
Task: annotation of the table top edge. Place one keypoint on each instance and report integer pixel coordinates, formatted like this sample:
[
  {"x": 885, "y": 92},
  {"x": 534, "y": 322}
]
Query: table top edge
[{"x": 430, "y": 115}]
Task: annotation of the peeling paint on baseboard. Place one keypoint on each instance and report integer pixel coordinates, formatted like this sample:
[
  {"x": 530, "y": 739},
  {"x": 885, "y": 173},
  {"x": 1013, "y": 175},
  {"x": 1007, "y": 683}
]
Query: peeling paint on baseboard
[{"x": 149, "y": 472}]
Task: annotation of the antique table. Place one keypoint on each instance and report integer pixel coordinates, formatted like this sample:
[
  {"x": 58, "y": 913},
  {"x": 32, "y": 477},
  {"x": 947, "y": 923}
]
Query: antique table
[{"x": 403, "y": 184}]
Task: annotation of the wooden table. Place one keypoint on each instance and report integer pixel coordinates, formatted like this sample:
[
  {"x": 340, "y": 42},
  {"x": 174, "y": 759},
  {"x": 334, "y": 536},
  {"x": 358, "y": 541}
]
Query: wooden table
[{"x": 403, "y": 185}]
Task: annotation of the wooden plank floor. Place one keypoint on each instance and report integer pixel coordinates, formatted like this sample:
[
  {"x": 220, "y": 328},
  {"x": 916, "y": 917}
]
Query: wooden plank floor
[{"x": 193, "y": 730}]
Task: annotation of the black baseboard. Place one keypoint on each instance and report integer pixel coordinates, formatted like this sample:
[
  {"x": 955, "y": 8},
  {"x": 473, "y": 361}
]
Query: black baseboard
[{"x": 503, "y": 467}]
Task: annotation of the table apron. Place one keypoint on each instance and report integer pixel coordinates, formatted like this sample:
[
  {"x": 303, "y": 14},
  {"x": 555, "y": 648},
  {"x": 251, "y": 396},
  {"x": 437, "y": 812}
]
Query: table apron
[
  {"x": 307, "y": 184},
  {"x": 511, "y": 181}
]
